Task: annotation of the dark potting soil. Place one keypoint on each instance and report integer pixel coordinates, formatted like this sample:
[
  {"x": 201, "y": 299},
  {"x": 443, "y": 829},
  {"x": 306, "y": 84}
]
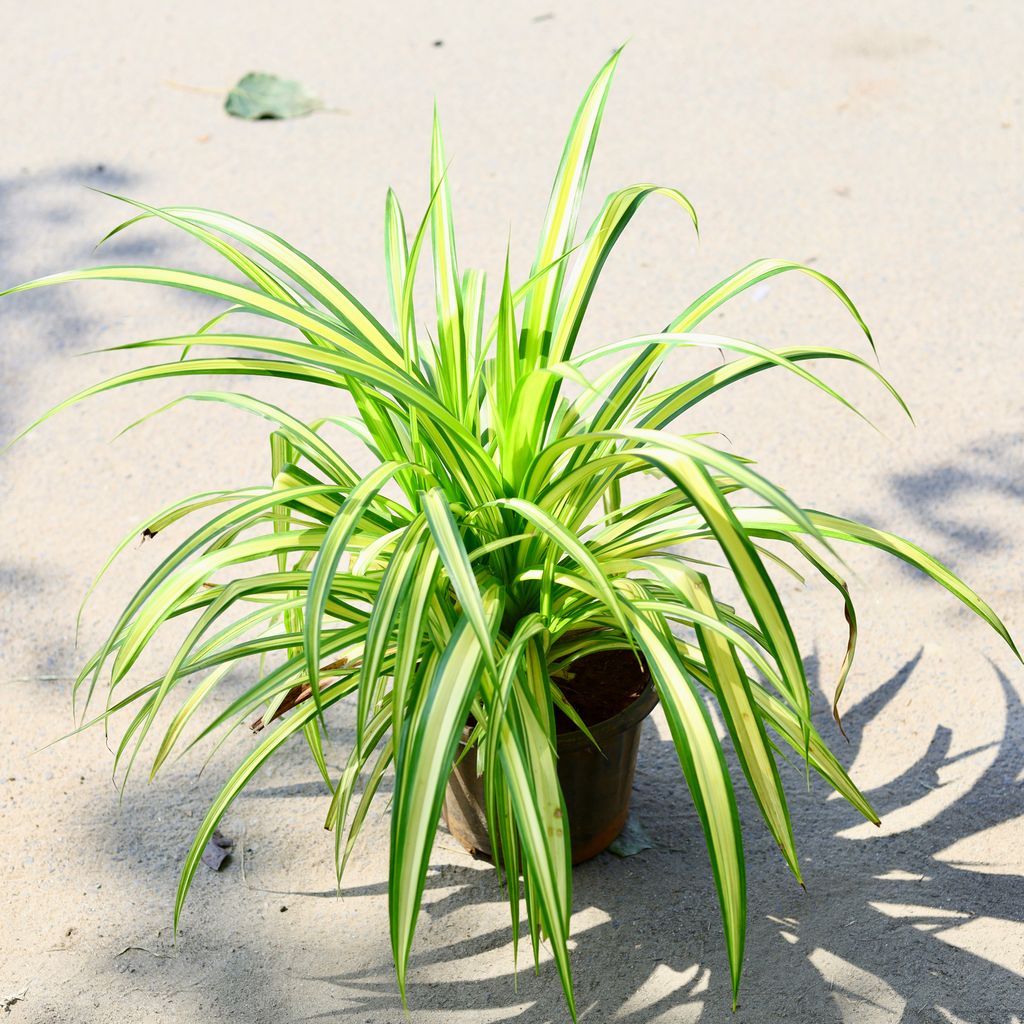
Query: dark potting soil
[{"x": 601, "y": 685}]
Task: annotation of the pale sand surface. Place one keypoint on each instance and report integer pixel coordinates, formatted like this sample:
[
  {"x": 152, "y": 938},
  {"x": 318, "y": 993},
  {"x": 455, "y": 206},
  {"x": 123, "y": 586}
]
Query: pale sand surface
[{"x": 881, "y": 141}]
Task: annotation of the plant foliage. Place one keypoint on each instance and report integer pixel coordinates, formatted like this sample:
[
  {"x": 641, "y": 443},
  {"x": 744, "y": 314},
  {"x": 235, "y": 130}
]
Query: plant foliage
[{"x": 490, "y": 546}]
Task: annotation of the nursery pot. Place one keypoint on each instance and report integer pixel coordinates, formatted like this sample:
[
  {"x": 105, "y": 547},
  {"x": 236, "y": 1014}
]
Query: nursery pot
[{"x": 596, "y": 784}]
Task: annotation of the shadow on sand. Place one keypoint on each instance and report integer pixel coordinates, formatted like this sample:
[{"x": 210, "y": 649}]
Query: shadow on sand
[{"x": 886, "y": 931}]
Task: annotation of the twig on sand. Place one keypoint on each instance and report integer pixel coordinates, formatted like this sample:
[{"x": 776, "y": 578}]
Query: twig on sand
[
  {"x": 6, "y": 1002},
  {"x": 185, "y": 87},
  {"x": 142, "y": 949}
]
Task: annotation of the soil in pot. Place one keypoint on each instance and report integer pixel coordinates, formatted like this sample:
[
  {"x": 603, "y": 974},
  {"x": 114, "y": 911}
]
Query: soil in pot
[{"x": 599, "y": 686}]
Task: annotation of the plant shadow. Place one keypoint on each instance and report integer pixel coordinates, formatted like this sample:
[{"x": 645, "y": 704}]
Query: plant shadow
[
  {"x": 986, "y": 470},
  {"x": 48, "y": 225},
  {"x": 886, "y": 930}
]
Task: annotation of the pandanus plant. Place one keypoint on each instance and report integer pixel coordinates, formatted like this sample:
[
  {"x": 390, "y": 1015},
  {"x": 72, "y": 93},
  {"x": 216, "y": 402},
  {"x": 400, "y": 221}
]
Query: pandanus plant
[{"x": 494, "y": 543}]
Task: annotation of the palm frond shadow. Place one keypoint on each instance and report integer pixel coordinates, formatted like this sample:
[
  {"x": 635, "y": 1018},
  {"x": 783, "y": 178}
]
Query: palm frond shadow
[
  {"x": 990, "y": 468},
  {"x": 657, "y": 909},
  {"x": 50, "y": 204}
]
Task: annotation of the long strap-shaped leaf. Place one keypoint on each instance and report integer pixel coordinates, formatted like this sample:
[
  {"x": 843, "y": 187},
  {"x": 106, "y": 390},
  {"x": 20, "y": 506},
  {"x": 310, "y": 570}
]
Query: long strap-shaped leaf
[
  {"x": 304, "y": 271},
  {"x": 644, "y": 440},
  {"x": 527, "y": 757},
  {"x": 184, "y": 580},
  {"x": 849, "y": 610},
  {"x": 235, "y": 591},
  {"x": 304, "y": 439},
  {"x": 453, "y": 367},
  {"x": 303, "y": 318},
  {"x": 396, "y": 263},
  {"x": 703, "y": 763},
  {"x": 474, "y": 295},
  {"x": 411, "y": 648},
  {"x": 341, "y": 857},
  {"x": 563, "y": 207},
  {"x": 237, "y": 783},
  {"x": 242, "y": 513},
  {"x": 151, "y": 526},
  {"x": 737, "y": 703},
  {"x": 660, "y": 408},
  {"x": 343, "y": 644},
  {"x": 656, "y": 346},
  {"x": 505, "y": 378},
  {"x": 329, "y": 556},
  {"x": 452, "y": 549},
  {"x": 618, "y": 211},
  {"x": 754, "y": 273},
  {"x": 259, "y": 276},
  {"x": 423, "y": 762},
  {"x": 459, "y": 450},
  {"x": 391, "y": 597},
  {"x": 783, "y": 721},
  {"x": 748, "y": 569},
  {"x": 765, "y": 522},
  {"x": 564, "y": 540}
]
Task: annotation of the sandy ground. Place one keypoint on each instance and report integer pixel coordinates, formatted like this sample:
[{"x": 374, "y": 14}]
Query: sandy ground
[{"x": 881, "y": 141}]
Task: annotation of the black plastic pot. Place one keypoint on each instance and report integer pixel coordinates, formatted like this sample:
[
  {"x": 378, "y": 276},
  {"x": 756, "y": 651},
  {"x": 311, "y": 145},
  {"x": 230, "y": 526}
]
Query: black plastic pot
[{"x": 596, "y": 784}]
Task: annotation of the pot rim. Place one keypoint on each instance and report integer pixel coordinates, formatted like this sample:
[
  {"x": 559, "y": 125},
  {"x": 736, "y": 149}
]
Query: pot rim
[{"x": 629, "y": 717}]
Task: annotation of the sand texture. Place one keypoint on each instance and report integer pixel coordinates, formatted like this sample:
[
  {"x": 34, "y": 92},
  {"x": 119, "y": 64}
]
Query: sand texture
[{"x": 881, "y": 142}]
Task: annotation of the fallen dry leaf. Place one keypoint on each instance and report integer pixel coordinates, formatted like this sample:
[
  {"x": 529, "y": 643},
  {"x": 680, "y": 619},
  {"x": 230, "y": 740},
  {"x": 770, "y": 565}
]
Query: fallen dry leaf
[{"x": 218, "y": 849}]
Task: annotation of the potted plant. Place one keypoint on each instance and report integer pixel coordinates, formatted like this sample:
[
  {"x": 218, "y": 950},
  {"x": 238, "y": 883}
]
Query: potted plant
[{"x": 490, "y": 593}]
